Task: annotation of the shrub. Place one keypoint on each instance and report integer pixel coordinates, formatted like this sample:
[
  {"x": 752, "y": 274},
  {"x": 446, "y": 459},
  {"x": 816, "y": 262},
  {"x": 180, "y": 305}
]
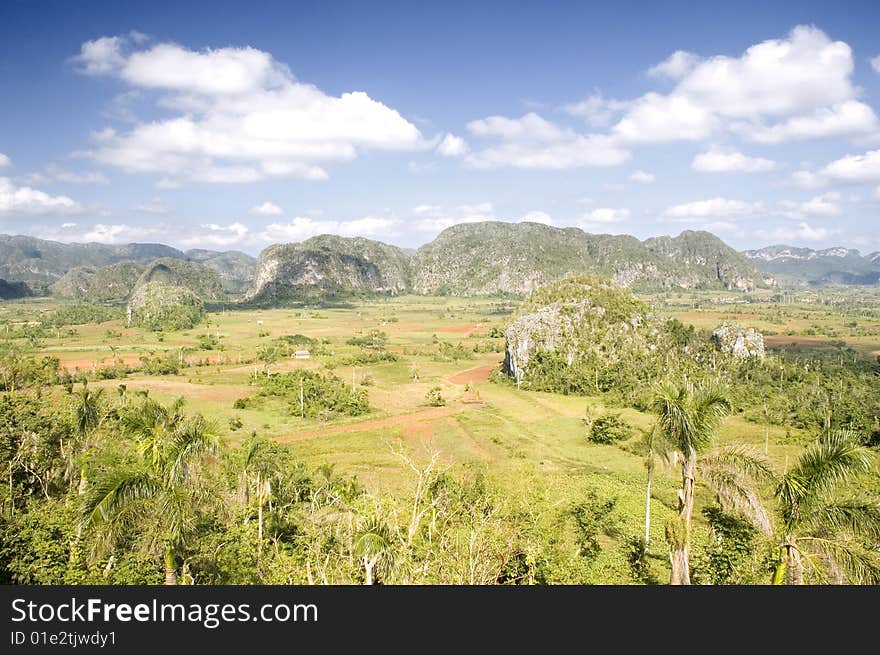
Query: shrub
[
  {"x": 435, "y": 398},
  {"x": 322, "y": 395},
  {"x": 374, "y": 339},
  {"x": 608, "y": 429}
]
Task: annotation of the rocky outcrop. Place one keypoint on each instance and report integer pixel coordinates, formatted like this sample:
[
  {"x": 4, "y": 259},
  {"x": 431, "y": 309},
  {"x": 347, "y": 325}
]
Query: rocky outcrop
[
  {"x": 331, "y": 264},
  {"x": 204, "y": 282},
  {"x": 576, "y": 318},
  {"x": 160, "y": 306},
  {"x": 736, "y": 340}
]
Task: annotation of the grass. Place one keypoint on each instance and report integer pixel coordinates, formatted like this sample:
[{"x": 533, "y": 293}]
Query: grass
[{"x": 527, "y": 441}]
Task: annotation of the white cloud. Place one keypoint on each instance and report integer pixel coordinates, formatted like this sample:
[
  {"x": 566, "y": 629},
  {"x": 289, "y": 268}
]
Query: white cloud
[
  {"x": 877, "y": 193},
  {"x": 800, "y": 232},
  {"x": 596, "y": 109},
  {"x": 803, "y": 81},
  {"x": 452, "y": 146},
  {"x": 656, "y": 118},
  {"x": 533, "y": 142},
  {"x": 69, "y": 225},
  {"x": 538, "y": 217},
  {"x": 719, "y": 161},
  {"x": 101, "y": 56},
  {"x": 220, "y": 236},
  {"x": 713, "y": 208},
  {"x": 642, "y": 176},
  {"x": 153, "y": 206},
  {"x": 267, "y": 209},
  {"x": 5, "y": 160},
  {"x": 301, "y": 228},
  {"x": 850, "y": 169},
  {"x": 16, "y": 200},
  {"x": 846, "y": 119},
  {"x": 607, "y": 215},
  {"x": 122, "y": 233},
  {"x": 435, "y": 218},
  {"x": 875, "y": 63},
  {"x": 825, "y": 205},
  {"x": 676, "y": 66},
  {"x": 241, "y": 116}
]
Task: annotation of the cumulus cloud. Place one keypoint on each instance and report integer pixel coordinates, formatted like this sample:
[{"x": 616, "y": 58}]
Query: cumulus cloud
[
  {"x": 642, "y": 177},
  {"x": 435, "y": 218},
  {"x": 24, "y": 200},
  {"x": 596, "y": 109},
  {"x": 845, "y": 119},
  {"x": 825, "y": 205},
  {"x": 218, "y": 236},
  {"x": 241, "y": 116},
  {"x": 875, "y": 63},
  {"x": 850, "y": 169},
  {"x": 607, "y": 215},
  {"x": 533, "y": 142},
  {"x": 537, "y": 217},
  {"x": 5, "y": 160},
  {"x": 712, "y": 208},
  {"x": 267, "y": 209},
  {"x": 452, "y": 146},
  {"x": 301, "y": 228},
  {"x": 675, "y": 66},
  {"x": 800, "y": 232},
  {"x": 720, "y": 161},
  {"x": 782, "y": 89}
]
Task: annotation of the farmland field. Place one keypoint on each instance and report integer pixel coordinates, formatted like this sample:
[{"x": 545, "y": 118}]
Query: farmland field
[{"x": 531, "y": 444}]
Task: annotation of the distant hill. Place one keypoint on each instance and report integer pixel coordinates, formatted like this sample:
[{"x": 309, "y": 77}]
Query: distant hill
[
  {"x": 80, "y": 269},
  {"x": 817, "y": 267},
  {"x": 500, "y": 258},
  {"x": 331, "y": 264},
  {"x": 202, "y": 281},
  {"x": 37, "y": 261},
  {"x": 236, "y": 269},
  {"x": 106, "y": 284},
  {"x": 494, "y": 257}
]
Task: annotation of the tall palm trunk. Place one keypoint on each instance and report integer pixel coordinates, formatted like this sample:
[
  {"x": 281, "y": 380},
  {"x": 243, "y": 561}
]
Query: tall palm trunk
[
  {"x": 170, "y": 566},
  {"x": 790, "y": 569},
  {"x": 682, "y": 542},
  {"x": 648, "y": 500}
]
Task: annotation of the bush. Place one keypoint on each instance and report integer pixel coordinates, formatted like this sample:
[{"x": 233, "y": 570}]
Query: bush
[
  {"x": 435, "y": 398},
  {"x": 374, "y": 339},
  {"x": 322, "y": 395},
  {"x": 608, "y": 429}
]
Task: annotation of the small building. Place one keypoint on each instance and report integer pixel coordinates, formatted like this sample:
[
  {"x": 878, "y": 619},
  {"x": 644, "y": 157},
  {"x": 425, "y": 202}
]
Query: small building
[{"x": 302, "y": 354}]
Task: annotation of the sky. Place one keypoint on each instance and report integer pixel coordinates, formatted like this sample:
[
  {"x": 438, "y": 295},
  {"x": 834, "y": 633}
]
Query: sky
[{"x": 232, "y": 125}]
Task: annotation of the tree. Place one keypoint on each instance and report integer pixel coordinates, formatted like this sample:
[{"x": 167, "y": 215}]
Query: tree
[
  {"x": 688, "y": 417},
  {"x": 373, "y": 545},
  {"x": 162, "y": 488},
  {"x": 822, "y": 524},
  {"x": 87, "y": 417},
  {"x": 653, "y": 447}
]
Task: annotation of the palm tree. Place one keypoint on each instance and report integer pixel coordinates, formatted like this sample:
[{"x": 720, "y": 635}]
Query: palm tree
[
  {"x": 87, "y": 417},
  {"x": 823, "y": 524},
  {"x": 161, "y": 488},
  {"x": 653, "y": 447},
  {"x": 688, "y": 417},
  {"x": 373, "y": 545}
]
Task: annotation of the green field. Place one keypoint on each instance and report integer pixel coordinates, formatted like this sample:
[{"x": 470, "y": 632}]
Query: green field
[{"x": 532, "y": 445}]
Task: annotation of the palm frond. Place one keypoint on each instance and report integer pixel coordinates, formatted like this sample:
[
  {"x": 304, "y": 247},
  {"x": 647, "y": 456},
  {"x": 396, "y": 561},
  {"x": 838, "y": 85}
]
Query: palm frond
[
  {"x": 110, "y": 494},
  {"x": 856, "y": 517},
  {"x": 859, "y": 564},
  {"x": 835, "y": 459},
  {"x": 735, "y": 492}
]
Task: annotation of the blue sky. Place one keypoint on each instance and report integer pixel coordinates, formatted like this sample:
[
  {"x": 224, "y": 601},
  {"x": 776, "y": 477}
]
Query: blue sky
[{"x": 235, "y": 125}]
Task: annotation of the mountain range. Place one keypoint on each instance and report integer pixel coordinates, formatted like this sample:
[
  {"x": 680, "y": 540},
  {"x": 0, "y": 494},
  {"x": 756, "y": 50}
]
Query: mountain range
[
  {"x": 817, "y": 267},
  {"x": 485, "y": 258}
]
